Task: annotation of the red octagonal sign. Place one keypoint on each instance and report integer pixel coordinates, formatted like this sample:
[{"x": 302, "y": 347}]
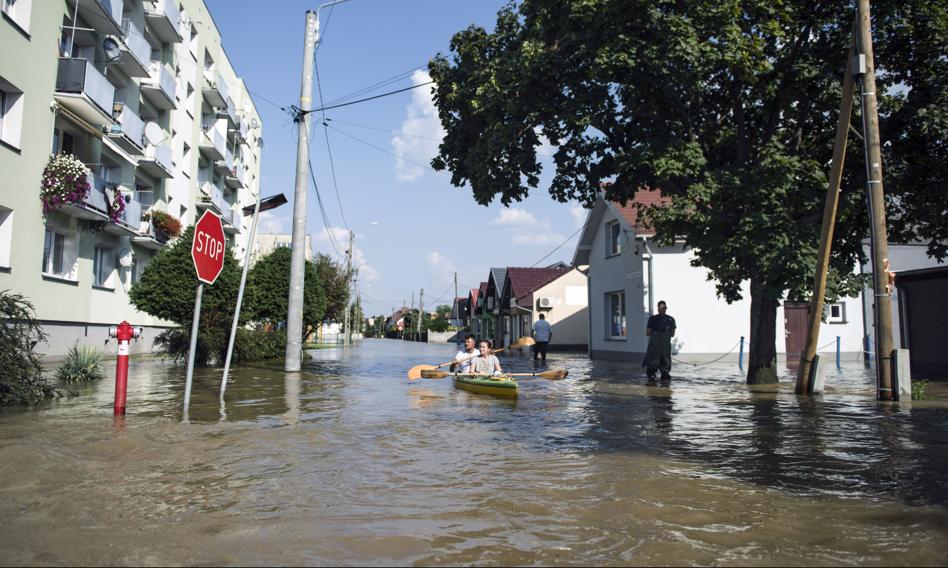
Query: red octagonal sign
[{"x": 207, "y": 250}]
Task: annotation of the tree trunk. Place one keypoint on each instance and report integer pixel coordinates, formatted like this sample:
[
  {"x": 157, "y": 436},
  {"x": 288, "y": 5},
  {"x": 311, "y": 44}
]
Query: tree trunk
[{"x": 762, "y": 360}]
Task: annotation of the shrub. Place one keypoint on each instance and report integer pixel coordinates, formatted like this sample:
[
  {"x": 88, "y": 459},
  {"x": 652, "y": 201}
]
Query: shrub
[
  {"x": 249, "y": 345},
  {"x": 919, "y": 390},
  {"x": 21, "y": 379},
  {"x": 81, "y": 364}
]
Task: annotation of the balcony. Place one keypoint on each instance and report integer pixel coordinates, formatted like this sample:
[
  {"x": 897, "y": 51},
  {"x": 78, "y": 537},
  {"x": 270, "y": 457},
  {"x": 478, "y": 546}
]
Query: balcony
[
  {"x": 159, "y": 87},
  {"x": 148, "y": 237},
  {"x": 165, "y": 20},
  {"x": 156, "y": 161},
  {"x": 84, "y": 91},
  {"x": 224, "y": 166},
  {"x": 243, "y": 130},
  {"x": 136, "y": 52},
  {"x": 212, "y": 142},
  {"x": 128, "y": 223},
  {"x": 229, "y": 111},
  {"x": 211, "y": 195},
  {"x": 215, "y": 89},
  {"x": 237, "y": 177},
  {"x": 103, "y": 16},
  {"x": 95, "y": 208},
  {"x": 128, "y": 131}
]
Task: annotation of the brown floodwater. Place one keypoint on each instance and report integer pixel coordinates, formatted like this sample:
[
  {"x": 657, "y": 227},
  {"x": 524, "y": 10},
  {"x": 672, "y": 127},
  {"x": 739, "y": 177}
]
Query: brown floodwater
[{"x": 351, "y": 463}]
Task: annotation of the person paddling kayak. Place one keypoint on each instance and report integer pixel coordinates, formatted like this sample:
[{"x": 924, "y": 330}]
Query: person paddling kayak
[
  {"x": 486, "y": 363},
  {"x": 462, "y": 361}
]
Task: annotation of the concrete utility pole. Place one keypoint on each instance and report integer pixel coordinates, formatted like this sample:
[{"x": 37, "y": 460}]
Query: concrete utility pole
[
  {"x": 457, "y": 306},
  {"x": 348, "y": 318},
  {"x": 412, "y": 311},
  {"x": 874, "y": 189},
  {"x": 815, "y": 315},
  {"x": 421, "y": 301},
  {"x": 294, "y": 319}
]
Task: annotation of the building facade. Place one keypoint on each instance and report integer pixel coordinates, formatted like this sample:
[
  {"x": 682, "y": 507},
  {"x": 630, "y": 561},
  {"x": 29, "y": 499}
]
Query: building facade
[
  {"x": 142, "y": 94},
  {"x": 269, "y": 242}
]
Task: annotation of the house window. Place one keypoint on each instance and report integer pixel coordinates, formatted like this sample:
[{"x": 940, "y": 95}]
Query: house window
[
  {"x": 11, "y": 113},
  {"x": 6, "y": 236},
  {"x": 102, "y": 265},
  {"x": 613, "y": 234},
  {"x": 54, "y": 247},
  {"x": 615, "y": 304},
  {"x": 836, "y": 313},
  {"x": 18, "y": 11}
]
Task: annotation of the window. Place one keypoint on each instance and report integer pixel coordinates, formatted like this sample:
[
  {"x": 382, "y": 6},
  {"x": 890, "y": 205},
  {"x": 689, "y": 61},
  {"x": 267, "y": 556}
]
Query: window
[
  {"x": 18, "y": 11},
  {"x": 613, "y": 234},
  {"x": 6, "y": 236},
  {"x": 836, "y": 313},
  {"x": 53, "y": 251},
  {"x": 102, "y": 266},
  {"x": 11, "y": 113},
  {"x": 615, "y": 304}
]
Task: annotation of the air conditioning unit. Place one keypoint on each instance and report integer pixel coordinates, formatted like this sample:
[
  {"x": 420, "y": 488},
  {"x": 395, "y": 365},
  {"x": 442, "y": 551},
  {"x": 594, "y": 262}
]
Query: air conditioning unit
[{"x": 545, "y": 302}]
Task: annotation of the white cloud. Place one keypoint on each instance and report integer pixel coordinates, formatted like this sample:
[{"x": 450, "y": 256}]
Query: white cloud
[
  {"x": 421, "y": 132},
  {"x": 517, "y": 218},
  {"x": 538, "y": 239},
  {"x": 578, "y": 214},
  {"x": 340, "y": 235},
  {"x": 441, "y": 267},
  {"x": 268, "y": 223}
]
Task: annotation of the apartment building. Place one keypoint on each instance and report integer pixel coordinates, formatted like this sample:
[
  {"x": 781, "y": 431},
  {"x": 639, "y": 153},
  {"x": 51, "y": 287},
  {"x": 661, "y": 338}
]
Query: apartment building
[
  {"x": 269, "y": 242},
  {"x": 141, "y": 92}
]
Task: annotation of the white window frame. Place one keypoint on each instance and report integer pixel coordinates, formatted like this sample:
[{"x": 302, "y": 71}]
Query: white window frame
[
  {"x": 840, "y": 316},
  {"x": 6, "y": 236},
  {"x": 103, "y": 266},
  {"x": 613, "y": 243},
  {"x": 19, "y": 11},
  {"x": 11, "y": 113},
  {"x": 68, "y": 256},
  {"x": 624, "y": 317}
]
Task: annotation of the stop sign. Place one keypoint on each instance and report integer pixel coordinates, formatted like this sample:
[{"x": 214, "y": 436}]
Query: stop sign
[{"x": 207, "y": 250}]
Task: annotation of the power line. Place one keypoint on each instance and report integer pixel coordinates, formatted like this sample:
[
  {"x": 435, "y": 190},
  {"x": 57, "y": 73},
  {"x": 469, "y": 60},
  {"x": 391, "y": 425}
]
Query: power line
[
  {"x": 379, "y": 84},
  {"x": 301, "y": 111},
  {"x": 319, "y": 201},
  {"x": 399, "y": 132},
  {"x": 383, "y": 150},
  {"x": 559, "y": 246},
  {"x": 332, "y": 165}
]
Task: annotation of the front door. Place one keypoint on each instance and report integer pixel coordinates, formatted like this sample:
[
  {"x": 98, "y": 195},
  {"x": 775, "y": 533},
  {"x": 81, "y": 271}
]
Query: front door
[{"x": 795, "y": 323}]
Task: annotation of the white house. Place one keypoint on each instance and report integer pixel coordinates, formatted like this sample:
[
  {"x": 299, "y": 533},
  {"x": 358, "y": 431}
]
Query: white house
[{"x": 628, "y": 274}]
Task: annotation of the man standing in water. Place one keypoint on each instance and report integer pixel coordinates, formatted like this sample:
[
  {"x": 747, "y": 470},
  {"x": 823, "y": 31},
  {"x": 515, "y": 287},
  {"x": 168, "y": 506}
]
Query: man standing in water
[
  {"x": 659, "y": 329},
  {"x": 542, "y": 333}
]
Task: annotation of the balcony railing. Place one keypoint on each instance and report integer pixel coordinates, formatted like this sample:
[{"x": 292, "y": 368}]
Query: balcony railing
[
  {"x": 165, "y": 18},
  {"x": 214, "y": 196},
  {"x": 240, "y": 172},
  {"x": 132, "y": 216},
  {"x": 131, "y": 126},
  {"x": 213, "y": 133},
  {"x": 160, "y": 154},
  {"x": 78, "y": 76},
  {"x": 161, "y": 78},
  {"x": 137, "y": 45},
  {"x": 96, "y": 196},
  {"x": 216, "y": 90}
]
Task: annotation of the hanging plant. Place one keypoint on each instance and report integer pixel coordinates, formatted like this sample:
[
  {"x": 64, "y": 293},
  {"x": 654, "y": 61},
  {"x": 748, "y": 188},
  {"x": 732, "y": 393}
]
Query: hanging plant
[
  {"x": 65, "y": 180},
  {"x": 116, "y": 206},
  {"x": 166, "y": 226}
]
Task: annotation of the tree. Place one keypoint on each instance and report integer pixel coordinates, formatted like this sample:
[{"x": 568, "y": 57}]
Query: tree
[
  {"x": 444, "y": 311},
  {"x": 727, "y": 108},
  {"x": 166, "y": 290},
  {"x": 335, "y": 283},
  {"x": 22, "y": 381},
  {"x": 267, "y": 285}
]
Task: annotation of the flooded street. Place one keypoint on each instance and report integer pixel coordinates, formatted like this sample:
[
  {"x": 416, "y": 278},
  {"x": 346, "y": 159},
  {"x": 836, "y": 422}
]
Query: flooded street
[{"x": 351, "y": 463}]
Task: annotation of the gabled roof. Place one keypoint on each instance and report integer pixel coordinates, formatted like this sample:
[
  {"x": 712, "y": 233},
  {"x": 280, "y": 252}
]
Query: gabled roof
[
  {"x": 524, "y": 281},
  {"x": 627, "y": 214},
  {"x": 497, "y": 277}
]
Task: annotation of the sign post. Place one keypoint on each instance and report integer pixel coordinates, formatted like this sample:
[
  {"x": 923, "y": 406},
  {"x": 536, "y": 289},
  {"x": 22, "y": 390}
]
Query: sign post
[{"x": 207, "y": 252}]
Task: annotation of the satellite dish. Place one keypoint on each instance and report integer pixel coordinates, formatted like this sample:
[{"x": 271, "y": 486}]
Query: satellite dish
[
  {"x": 154, "y": 135},
  {"x": 254, "y": 123},
  {"x": 124, "y": 258},
  {"x": 112, "y": 48}
]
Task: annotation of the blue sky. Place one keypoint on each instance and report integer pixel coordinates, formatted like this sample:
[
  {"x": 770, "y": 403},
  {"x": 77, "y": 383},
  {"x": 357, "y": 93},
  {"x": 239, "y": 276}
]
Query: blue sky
[{"x": 427, "y": 229}]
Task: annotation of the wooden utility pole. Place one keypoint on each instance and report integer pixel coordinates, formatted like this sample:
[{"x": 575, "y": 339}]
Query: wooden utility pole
[
  {"x": 815, "y": 315},
  {"x": 874, "y": 189},
  {"x": 457, "y": 307},
  {"x": 412, "y": 311},
  {"x": 421, "y": 301}
]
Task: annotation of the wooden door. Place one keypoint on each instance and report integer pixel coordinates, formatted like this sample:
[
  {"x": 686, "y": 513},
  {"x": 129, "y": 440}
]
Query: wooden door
[{"x": 795, "y": 323}]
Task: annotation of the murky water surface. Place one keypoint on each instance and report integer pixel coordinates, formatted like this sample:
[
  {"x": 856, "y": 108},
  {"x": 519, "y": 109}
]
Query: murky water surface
[{"x": 350, "y": 463}]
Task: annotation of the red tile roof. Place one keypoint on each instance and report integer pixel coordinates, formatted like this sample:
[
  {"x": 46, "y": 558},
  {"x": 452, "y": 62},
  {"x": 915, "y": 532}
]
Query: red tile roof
[
  {"x": 646, "y": 197},
  {"x": 525, "y": 281}
]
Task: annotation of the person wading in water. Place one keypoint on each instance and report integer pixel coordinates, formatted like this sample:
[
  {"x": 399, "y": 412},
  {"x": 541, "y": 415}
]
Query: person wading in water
[{"x": 659, "y": 329}]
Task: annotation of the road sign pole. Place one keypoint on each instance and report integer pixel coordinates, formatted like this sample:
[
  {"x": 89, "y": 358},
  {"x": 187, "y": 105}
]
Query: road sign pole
[{"x": 194, "y": 335}]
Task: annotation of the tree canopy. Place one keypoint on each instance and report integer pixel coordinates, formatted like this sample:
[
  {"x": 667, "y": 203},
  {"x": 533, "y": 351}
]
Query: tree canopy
[
  {"x": 268, "y": 282},
  {"x": 727, "y": 108}
]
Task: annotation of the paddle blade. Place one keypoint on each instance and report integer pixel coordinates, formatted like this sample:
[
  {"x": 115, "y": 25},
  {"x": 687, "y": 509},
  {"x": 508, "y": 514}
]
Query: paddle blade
[
  {"x": 554, "y": 374},
  {"x": 433, "y": 374},
  {"x": 415, "y": 372},
  {"x": 522, "y": 342}
]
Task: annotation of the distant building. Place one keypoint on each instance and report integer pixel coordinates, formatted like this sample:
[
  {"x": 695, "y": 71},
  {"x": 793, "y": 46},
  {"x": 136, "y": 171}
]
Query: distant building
[{"x": 266, "y": 243}]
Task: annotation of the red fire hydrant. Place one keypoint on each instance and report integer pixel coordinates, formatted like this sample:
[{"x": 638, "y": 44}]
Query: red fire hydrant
[{"x": 124, "y": 332}]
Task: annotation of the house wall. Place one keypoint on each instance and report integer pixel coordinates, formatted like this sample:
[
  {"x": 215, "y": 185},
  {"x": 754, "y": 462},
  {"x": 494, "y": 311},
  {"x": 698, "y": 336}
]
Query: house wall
[
  {"x": 622, "y": 272},
  {"x": 569, "y": 317}
]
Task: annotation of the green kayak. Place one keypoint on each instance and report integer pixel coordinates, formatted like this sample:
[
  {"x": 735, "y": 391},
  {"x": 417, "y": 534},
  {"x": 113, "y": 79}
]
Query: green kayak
[{"x": 501, "y": 385}]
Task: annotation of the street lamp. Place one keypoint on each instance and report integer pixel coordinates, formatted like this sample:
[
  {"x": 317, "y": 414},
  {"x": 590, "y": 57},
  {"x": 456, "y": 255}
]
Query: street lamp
[{"x": 266, "y": 204}]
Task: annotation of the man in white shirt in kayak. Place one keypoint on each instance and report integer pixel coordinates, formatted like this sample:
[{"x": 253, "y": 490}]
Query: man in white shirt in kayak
[
  {"x": 542, "y": 333},
  {"x": 462, "y": 361}
]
